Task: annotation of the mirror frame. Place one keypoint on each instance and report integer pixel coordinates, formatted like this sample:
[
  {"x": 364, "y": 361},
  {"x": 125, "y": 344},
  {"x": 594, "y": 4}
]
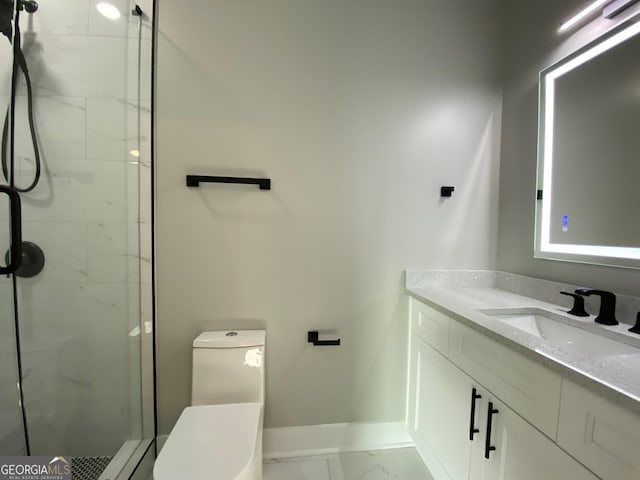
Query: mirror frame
[{"x": 628, "y": 257}]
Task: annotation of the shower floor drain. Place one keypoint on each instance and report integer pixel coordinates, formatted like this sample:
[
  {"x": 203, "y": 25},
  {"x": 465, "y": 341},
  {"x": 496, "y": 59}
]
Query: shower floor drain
[{"x": 88, "y": 468}]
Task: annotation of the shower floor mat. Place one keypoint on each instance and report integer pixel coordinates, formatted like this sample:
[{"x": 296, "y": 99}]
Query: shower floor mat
[{"x": 88, "y": 468}]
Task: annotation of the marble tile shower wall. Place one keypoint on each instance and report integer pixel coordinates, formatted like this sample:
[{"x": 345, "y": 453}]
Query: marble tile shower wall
[{"x": 80, "y": 318}]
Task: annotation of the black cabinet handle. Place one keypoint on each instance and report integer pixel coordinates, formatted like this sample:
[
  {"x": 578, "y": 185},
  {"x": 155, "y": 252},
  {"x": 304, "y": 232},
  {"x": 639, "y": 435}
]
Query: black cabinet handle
[
  {"x": 472, "y": 421},
  {"x": 16, "y": 230},
  {"x": 312, "y": 337},
  {"x": 488, "y": 448},
  {"x": 194, "y": 181}
]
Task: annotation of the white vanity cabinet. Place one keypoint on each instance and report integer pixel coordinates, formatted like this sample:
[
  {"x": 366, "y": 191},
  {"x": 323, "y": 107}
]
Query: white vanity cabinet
[{"x": 448, "y": 405}]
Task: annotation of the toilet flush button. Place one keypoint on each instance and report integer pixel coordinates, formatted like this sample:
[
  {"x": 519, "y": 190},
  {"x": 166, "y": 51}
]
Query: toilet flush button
[{"x": 231, "y": 334}]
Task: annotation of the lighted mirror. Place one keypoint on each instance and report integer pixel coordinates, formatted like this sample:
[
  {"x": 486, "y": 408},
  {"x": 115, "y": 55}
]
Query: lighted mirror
[{"x": 589, "y": 154}]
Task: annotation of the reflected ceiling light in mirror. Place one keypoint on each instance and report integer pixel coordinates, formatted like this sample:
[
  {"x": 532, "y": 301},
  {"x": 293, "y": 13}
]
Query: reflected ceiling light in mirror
[
  {"x": 547, "y": 152},
  {"x": 582, "y": 15},
  {"x": 108, "y": 10}
]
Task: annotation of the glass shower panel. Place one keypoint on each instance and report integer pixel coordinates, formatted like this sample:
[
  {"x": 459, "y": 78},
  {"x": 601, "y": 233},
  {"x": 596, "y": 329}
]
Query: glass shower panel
[
  {"x": 140, "y": 82},
  {"x": 12, "y": 438},
  {"x": 80, "y": 316}
]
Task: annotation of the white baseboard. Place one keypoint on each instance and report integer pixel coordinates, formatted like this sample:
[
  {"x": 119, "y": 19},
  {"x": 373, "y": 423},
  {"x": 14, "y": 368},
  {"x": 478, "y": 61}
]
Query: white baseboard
[{"x": 333, "y": 438}]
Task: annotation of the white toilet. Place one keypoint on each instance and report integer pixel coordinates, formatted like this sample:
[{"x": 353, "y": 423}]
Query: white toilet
[{"x": 220, "y": 436}]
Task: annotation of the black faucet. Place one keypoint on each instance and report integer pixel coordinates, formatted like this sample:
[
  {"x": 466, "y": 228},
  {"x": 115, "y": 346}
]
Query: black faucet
[
  {"x": 607, "y": 315},
  {"x": 578, "y": 305},
  {"x": 636, "y": 327}
]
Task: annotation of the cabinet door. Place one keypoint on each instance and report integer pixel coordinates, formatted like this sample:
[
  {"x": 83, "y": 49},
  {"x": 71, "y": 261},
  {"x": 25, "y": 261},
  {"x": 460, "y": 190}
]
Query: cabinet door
[
  {"x": 439, "y": 416},
  {"x": 599, "y": 433},
  {"x": 521, "y": 452},
  {"x": 530, "y": 388}
]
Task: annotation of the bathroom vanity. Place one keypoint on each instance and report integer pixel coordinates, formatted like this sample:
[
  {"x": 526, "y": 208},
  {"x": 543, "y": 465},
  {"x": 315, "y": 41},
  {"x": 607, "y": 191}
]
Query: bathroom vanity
[{"x": 507, "y": 386}]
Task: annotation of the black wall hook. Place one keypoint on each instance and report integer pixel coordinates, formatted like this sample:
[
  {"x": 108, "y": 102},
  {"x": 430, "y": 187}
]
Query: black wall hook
[
  {"x": 446, "y": 191},
  {"x": 312, "y": 337}
]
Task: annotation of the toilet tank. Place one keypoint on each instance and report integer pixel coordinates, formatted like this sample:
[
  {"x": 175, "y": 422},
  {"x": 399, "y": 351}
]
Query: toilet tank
[{"x": 228, "y": 367}]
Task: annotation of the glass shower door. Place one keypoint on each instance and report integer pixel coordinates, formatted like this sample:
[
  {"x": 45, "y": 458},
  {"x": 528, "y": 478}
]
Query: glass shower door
[
  {"x": 78, "y": 316},
  {"x": 85, "y": 120},
  {"x": 12, "y": 433}
]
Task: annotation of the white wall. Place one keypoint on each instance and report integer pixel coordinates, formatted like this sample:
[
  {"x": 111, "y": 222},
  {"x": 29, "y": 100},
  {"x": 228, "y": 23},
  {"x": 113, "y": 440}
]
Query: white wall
[
  {"x": 359, "y": 111},
  {"x": 532, "y": 43}
]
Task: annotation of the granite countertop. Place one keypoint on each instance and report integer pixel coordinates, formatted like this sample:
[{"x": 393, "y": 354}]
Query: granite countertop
[{"x": 615, "y": 377}]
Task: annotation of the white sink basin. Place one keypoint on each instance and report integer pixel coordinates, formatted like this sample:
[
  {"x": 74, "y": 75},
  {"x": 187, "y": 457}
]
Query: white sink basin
[{"x": 548, "y": 326}]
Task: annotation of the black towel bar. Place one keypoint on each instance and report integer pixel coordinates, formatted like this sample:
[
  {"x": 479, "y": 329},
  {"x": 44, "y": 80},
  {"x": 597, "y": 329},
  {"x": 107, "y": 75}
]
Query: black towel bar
[{"x": 194, "y": 181}]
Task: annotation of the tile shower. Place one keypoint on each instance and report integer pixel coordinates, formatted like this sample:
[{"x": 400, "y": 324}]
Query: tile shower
[{"x": 84, "y": 322}]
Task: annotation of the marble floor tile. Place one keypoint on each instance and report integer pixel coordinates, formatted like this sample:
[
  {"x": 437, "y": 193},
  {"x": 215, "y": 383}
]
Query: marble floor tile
[
  {"x": 296, "y": 470},
  {"x": 397, "y": 464}
]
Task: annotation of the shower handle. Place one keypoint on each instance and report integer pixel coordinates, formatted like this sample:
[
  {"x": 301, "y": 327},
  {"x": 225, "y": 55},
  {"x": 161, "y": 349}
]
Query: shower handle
[{"x": 16, "y": 230}]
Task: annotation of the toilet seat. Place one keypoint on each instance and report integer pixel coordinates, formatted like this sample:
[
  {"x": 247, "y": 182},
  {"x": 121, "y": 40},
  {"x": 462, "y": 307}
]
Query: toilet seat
[{"x": 211, "y": 442}]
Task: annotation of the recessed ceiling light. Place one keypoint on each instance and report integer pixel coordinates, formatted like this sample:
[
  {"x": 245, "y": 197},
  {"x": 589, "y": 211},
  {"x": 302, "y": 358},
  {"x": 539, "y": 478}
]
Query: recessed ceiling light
[
  {"x": 134, "y": 153},
  {"x": 108, "y": 10}
]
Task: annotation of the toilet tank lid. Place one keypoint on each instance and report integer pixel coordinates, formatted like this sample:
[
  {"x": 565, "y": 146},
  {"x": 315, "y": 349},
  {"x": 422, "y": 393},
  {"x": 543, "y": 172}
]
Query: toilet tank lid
[{"x": 230, "y": 339}]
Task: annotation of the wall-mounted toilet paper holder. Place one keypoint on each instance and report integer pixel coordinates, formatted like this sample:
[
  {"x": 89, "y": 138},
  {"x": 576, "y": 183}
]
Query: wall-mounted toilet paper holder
[{"x": 312, "y": 337}]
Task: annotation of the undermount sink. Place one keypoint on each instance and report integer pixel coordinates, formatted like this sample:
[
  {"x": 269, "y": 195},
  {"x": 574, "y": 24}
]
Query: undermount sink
[{"x": 550, "y": 327}]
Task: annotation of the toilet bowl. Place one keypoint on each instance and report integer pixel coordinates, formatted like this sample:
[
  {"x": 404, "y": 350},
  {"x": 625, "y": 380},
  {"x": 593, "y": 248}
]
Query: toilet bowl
[
  {"x": 220, "y": 436},
  {"x": 214, "y": 442}
]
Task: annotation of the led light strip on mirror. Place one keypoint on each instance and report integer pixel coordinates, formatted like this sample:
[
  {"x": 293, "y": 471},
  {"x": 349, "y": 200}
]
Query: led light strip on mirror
[{"x": 548, "y": 82}]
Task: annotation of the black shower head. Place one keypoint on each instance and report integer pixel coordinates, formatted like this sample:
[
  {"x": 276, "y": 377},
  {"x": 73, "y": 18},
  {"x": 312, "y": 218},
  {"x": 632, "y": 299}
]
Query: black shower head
[
  {"x": 7, "y": 12},
  {"x": 31, "y": 6}
]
